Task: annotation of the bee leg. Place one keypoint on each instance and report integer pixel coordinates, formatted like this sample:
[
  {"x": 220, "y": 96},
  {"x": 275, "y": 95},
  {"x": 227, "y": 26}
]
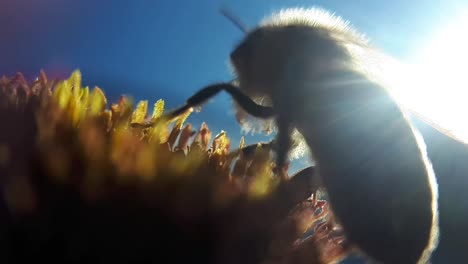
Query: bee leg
[
  {"x": 283, "y": 144},
  {"x": 243, "y": 100},
  {"x": 208, "y": 92}
]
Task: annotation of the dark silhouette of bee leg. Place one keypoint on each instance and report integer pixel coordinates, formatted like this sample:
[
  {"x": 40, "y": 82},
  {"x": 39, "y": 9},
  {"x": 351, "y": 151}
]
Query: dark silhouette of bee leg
[
  {"x": 283, "y": 144},
  {"x": 208, "y": 92},
  {"x": 243, "y": 100}
]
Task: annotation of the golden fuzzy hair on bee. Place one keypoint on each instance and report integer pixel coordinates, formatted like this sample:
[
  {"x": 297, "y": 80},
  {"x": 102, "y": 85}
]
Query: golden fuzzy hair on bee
[{"x": 317, "y": 18}]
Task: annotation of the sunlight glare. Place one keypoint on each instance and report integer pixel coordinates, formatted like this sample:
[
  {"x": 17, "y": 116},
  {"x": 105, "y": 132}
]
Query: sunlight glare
[{"x": 435, "y": 84}]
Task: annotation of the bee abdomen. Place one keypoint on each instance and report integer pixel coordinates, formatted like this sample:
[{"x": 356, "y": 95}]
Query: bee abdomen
[{"x": 375, "y": 169}]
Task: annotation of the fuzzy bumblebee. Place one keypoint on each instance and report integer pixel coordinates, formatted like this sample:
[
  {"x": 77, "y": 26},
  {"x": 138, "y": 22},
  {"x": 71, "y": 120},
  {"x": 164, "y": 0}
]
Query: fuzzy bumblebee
[{"x": 310, "y": 71}]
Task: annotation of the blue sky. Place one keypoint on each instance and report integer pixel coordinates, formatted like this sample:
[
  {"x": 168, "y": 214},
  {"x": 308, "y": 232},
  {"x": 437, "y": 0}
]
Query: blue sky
[{"x": 169, "y": 49}]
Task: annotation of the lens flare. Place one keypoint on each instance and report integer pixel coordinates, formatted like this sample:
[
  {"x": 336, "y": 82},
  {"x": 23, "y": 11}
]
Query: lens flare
[{"x": 435, "y": 84}]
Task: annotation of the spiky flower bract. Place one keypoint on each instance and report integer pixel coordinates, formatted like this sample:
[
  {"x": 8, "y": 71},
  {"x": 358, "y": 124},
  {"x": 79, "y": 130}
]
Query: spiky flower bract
[{"x": 83, "y": 182}]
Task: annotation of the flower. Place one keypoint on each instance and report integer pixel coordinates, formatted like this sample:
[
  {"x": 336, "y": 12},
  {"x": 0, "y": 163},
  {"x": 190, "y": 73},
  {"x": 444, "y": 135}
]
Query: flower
[{"x": 84, "y": 181}]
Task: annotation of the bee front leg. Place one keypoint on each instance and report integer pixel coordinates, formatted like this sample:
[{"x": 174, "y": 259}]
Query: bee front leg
[{"x": 208, "y": 92}]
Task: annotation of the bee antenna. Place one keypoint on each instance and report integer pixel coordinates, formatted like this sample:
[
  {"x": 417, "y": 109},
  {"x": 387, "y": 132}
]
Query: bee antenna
[{"x": 226, "y": 12}]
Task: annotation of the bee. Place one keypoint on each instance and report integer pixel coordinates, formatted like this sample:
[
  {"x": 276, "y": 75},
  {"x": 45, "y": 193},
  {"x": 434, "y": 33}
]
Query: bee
[{"x": 310, "y": 69}]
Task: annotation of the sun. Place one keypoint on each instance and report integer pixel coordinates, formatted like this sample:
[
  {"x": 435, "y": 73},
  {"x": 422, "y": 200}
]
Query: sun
[{"x": 435, "y": 84}]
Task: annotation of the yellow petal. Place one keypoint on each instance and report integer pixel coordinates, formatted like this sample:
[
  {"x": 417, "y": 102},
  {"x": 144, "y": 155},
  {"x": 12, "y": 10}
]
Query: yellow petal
[
  {"x": 221, "y": 143},
  {"x": 97, "y": 101},
  {"x": 84, "y": 95},
  {"x": 139, "y": 114},
  {"x": 158, "y": 109},
  {"x": 75, "y": 82},
  {"x": 62, "y": 94}
]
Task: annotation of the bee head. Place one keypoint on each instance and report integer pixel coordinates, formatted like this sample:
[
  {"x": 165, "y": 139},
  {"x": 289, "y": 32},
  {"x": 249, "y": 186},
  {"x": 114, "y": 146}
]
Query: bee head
[
  {"x": 271, "y": 58},
  {"x": 294, "y": 44}
]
